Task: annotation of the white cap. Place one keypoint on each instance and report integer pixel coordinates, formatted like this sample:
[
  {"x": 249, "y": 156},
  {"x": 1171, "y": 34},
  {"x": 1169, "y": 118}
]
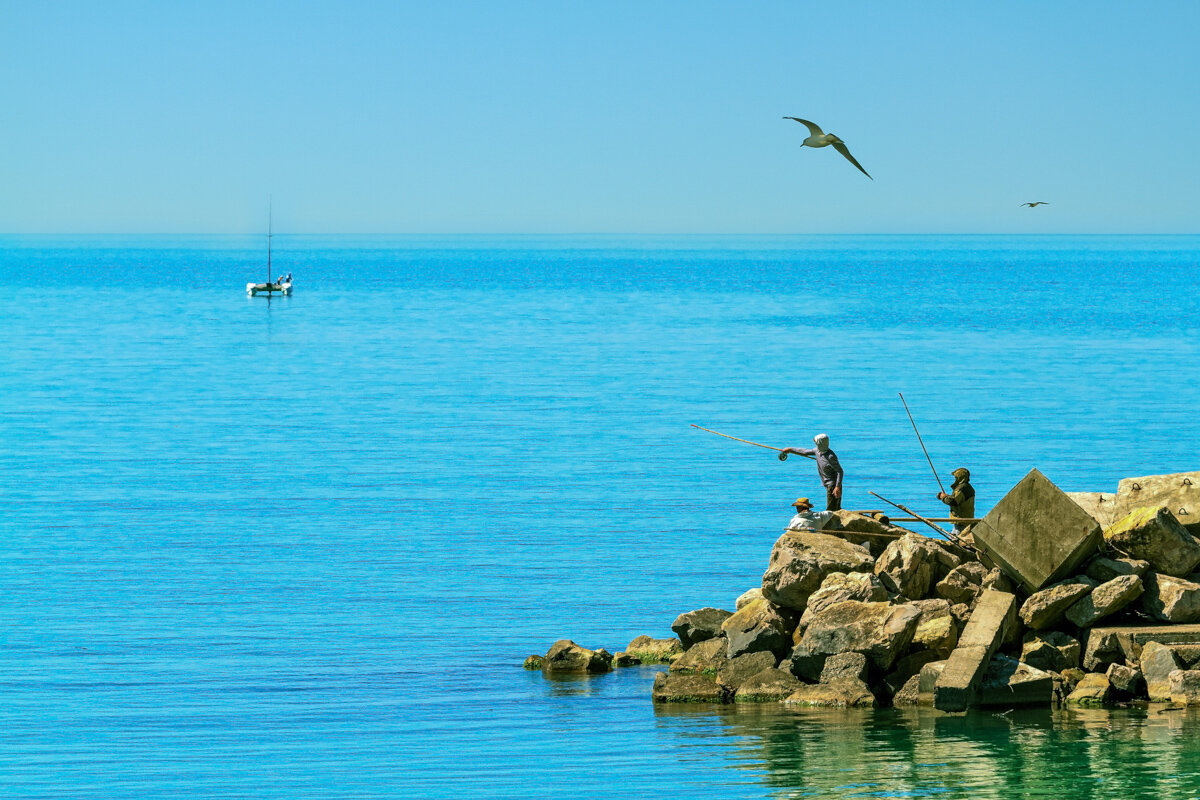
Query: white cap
[{"x": 821, "y": 440}]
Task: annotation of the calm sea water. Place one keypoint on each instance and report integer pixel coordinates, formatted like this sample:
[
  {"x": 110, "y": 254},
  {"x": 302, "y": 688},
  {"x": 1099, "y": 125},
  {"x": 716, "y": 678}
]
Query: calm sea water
[{"x": 299, "y": 548}]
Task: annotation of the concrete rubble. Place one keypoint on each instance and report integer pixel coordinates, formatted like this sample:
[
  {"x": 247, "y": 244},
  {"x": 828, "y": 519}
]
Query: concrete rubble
[{"x": 1086, "y": 598}]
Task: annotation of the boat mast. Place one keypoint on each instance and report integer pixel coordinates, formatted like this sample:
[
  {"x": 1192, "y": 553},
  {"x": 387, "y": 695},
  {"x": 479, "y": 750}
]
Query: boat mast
[{"x": 269, "y": 210}]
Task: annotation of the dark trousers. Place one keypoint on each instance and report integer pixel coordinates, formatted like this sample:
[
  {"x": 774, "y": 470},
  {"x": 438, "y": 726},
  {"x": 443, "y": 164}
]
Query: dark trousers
[{"x": 831, "y": 502}]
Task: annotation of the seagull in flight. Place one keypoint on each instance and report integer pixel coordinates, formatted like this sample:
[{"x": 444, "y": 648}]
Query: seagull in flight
[
  {"x": 1034, "y": 205},
  {"x": 819, "y": 138}
]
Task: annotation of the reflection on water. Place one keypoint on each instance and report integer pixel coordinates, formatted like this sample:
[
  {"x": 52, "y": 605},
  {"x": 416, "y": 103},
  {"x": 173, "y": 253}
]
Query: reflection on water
[{"x": 1134, "y": 753}]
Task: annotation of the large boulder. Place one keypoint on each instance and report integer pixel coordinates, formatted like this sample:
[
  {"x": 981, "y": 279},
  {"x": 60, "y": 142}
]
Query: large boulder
[
  {"x": 1052, "y": 651},
  {"x": 1045, "y": 608},
  {"x": 707, "y": 657},
  {"x": 1103, "y": 648},
  {"x": 769, "y": 685},
  {"x": 696, "y": 626},
  {"x": 1157, "y": 663},
  {"x": 566, "y": 657},
  {"x": 673, "y": 687},
  {"x": 746, "y": 597},
  {"x": 654, "y": 651},
  {"x": 760, "y": 625},
  {"x": 1107, "y": 598},
  {"x": 845, "y": 666},
  {"x": 936, "y": 632},
  {"x": 1008, "y": 682},
  {"x": 1104, "y": 569},
  {"x": 907, "y": 566},
  {"x": 880, "y": 631},
  {"x": 1126, "y": 681},
  {"x": 800, "y": 561},
  {"x": 963, "y": 584},
  {"x": 839, "y": 587},
  {"x": 1184, "y": 685},
  {"x": 1093, "y": 690},
  {"x": 843, "y": 694},
  {"x": 738, "y": 670},
  {"x": 1155, "y": 535},
  {"x": 1171, "y": 599}
]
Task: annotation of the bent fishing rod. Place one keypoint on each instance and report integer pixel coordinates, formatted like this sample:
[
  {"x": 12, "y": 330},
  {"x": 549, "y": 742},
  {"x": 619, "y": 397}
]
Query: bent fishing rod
[
  {"x": 919, "y": 439},
  {"x": 782, "y": 455}
]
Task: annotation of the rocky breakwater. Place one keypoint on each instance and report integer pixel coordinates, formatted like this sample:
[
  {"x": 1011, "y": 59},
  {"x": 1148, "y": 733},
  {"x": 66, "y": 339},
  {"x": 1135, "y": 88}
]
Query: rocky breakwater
[{"x": 1046, "y": 607}]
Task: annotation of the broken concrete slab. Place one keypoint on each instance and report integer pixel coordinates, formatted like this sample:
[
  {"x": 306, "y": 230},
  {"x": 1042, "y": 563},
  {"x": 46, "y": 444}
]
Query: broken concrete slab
[
  {"x": 1037, "y": 534},
  {"x": 1009, "y": 683},
  {"x": 994, "y": 615},
  {"x": 1154, "y": 534},
  {"x": 1103, "y": 507},
  {"x": 1179, "y": 492},
  {"x": 1128, "y": 640},
  {"x": 1052, "y": 651}
]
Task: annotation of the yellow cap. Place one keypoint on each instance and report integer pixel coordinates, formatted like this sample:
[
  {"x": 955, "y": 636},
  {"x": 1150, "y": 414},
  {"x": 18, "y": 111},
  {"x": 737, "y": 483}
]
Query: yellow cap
[{"x": 803, "y": 501}]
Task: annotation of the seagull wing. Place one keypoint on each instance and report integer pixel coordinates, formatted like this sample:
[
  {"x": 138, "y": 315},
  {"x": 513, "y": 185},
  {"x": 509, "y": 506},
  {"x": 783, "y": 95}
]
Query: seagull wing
[
  {"x": 841, "y": 148},
  {"x": 813, "y": 127}
]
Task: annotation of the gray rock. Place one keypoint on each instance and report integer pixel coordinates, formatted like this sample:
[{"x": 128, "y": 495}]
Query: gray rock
[
  {"x": 1093, "y": 690},
  {"x": 1157, "y": 663},
  {"x": 928, "y": 677},
  {"x": 844, "y": 666},
  {"x": 907, "y": 566},
  {"x": 760, "y": 625},
  {"x": 738, "y": 670},
  {"x": 1184, "y": 685},
  {"x": 1051, "y": 651},
  {"x": 1155, "y": 535},
  {"x": 1107, "y": 598},
  {"x": 880, "y": 631},
  {"x": 708, "y": 657},
  {"x": 1045, "y": 608},
  {"x": 1104, "y": 569},
  {"x": 801, "y": 561},
  {"x": 1103, "y": 648},
  {"x": 770, "y": 685},
  {"x": 1100, "y": 506},
  {"x": 843, "y": 694},
  {"x": 655, "y": 651},
  {"x": 567, "y": 657},
  {"x": 909, "y": 694},
  {"x": 1125, "y": 681},
  {"x": 1009, "y": 683},
  {"x": 963, "y": 584},
  {"x": 995, "y": 579},
  {"x": 839, "y": 587},
  {"x": 1171, "y": 599},
  {"x": 747, "y": 596},
  {"x": 696, "y": 626},
  {"x": 671, "y": 687}
]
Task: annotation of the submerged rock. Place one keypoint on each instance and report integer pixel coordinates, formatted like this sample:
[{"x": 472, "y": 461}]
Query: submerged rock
[
  {"x": 676, "y": 688},
  {"x": 533, "y": 662},
  {"x": 801, "y": 561},
  {"x": 696, "y": 626},
  {"x": 769, "y": 685},
  {"x": 1093, "y": 690},
  {"x": 623, "y": 659}
]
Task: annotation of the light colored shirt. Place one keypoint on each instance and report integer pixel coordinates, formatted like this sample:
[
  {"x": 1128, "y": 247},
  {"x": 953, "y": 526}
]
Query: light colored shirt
[{"x": 810, "y": 520}]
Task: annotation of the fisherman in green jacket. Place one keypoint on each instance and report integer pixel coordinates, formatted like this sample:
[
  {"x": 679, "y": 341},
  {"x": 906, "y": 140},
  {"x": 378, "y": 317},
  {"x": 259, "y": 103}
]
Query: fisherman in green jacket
[{"x": 961, "y": 499}]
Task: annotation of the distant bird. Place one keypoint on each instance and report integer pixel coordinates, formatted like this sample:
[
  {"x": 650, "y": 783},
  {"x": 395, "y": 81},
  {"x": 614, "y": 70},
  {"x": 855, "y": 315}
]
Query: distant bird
[
  {"x": 1032, "y": 205},
  {"x": 819, "y": 138}
]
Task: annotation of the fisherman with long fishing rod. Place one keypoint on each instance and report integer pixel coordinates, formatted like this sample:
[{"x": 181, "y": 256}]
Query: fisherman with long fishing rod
[{"x": 961, "y": 497}]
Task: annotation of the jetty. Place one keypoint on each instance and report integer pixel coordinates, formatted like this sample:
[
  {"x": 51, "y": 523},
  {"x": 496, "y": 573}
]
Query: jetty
[{"x": 1052, "y": 598}]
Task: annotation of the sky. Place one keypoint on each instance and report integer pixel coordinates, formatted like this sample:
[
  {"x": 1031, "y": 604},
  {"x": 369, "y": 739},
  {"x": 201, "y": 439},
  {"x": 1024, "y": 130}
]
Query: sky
[{"x": 613, "y": 117}]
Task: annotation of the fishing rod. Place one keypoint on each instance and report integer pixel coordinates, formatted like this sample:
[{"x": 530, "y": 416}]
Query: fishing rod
[
  {"x": 782, "y": 455},
  {"x": 927, "y": 458},
  {"x": 917, "y": 516}
]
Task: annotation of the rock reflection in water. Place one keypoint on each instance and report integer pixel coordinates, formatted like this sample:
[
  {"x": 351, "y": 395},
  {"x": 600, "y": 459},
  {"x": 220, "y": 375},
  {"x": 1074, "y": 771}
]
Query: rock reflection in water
[{"x": 1085, "y": 753}]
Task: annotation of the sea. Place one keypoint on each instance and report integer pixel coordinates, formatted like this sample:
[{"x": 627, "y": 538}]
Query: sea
[{"x": 299, "y": 547}]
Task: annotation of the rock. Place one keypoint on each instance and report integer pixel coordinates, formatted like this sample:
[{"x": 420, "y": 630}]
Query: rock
[
  {"x": 938, "y": 634},
  {"x": 654, "y": 651},
  {"x": 567, "y": 657},
  {"x": 1157, "y": 663},
  {"x": 533, "y": 662},
  {"x": 1184, "y": 685},
  {"x": 738, "y": 670},
  {"x": 708, "y": 657},
  {"x": 1107, "y": 598},
  {"x": 801, "y": 561},
  {"x": 994, "y": 616},
  {"x": 760, "y": 625},
  {"x": 623, "y": 659},
  {"x": 1045, "y": 608},
  {"x": 747, "y": 597},
  {"x": 1125, "y": 681},
  {"x": 907, "y": 566},
  {"x": 1155, "y": 535},
  {"x": 927, "y": 678},
  {"x": 1093, "y": 690},
  {"x": 909, "y": 694},
  {"x": 1104, "y": 569},
  {"x": 880, "y": 631},
  {"x": 1009, "y": 683},
  {"x": 770, "y": 685},
  {"x": 961, "y": 613},
  {"x": 672, "y": 687},
  {"x": 1100, "y": 506},
  {"x": 1171, "y": 599},
  {"x": 1052, "y": 651},
  {"x": 1037, "y": 534},
  {"x": 963, "y": 584},
  {"x": 995, "y": 579},
  {"x": 905, "y": 668},
  {"x": 843, "y": 694},
  {"x": 839, "y": 587},
  {"x": 1179, "y": 492},
  {"x": 860, "y": 523},
  {"x": 1071, "y": 679},
  {"x": 844, "y": 666},
  {"x": 696, "y": 626},
  {"x": 1103, "y": 648}
]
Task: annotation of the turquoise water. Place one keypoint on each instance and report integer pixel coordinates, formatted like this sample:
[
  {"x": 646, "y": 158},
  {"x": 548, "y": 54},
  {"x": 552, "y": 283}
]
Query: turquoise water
[{"x": 300, "y": 547}]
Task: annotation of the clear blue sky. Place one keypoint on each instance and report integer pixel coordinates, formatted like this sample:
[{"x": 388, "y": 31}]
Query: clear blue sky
[{"x": 598, "y": 117}]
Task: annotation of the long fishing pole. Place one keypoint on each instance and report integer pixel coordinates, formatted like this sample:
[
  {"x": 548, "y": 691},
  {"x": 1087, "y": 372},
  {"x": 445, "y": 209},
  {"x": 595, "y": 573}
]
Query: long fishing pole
[
  {"x": 917, "y": 516},
  {"x": 782, "y": 455},
  {"x": 927, "y": 458}
]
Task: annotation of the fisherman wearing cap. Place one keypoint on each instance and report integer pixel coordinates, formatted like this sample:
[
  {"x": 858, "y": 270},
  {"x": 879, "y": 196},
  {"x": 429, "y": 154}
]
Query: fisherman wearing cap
[
  {"x": 827, "y": 467},
  {"x": 961, "y": 499},
  {"x": 806, "y": 519}
]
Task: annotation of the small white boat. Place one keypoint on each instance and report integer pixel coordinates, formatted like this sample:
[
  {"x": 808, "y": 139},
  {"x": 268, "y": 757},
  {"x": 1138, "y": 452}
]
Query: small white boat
[{"x": 282, "y": 286}]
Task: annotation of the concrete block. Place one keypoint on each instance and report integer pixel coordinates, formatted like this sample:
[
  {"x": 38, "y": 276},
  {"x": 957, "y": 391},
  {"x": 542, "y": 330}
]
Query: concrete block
[
  {"x": 994, "y": 615},
  {"x": 1037, "y": 534},
  {"x": 1128, "y": 640},
  {"x": 1009, "y": 683},
  {"x": 1103, "y": 507},
  {"x": 1179, "y": 492}
]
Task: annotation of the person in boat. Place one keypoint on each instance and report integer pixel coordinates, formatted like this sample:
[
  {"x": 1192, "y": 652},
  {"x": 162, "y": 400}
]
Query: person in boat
[
  {"x": 288, "y": 279},
  {"x": 961, "y": 499},
  {"x": 828, "y": 468},
  {"x": 806, "y": 519}
]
